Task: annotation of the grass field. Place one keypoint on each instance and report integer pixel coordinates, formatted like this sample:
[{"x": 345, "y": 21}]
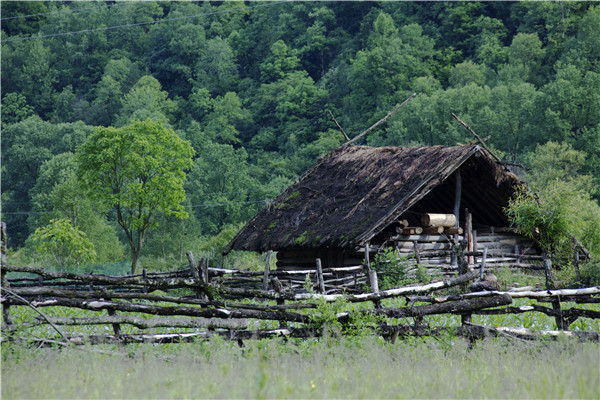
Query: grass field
[{"x": 326, "y": 368}]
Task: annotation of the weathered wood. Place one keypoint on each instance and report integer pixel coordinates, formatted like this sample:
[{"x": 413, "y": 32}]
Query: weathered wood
[
  {"x": 433, "y": 230},
  {"x": 382, "y": 120},
  {"x": 99, "y": 305},
  {"x": 563, "y": 294},
  {"x": 469, "y": 235},
  {"x": 423, "y": 238},
  {"x": 457, "y": 196},
  {"x": 417, "y": 255},
  {"x": 411, "y": 230},
  {"x": 145, "y": 323},
  {"x": 457, "y": 230},
  {"x": 367, "y": 260},
  {"x": 478, "y": 138},
  {"x": 374, "y": 282},
  {"x": 409, "y": 246},
  {"x": 320, "y": 279},
  {"x": 456, "y": 307},
  {"x": 398, "y": 292},
  {"x": 445, "y": 220},
  {"x": 266, "y": 271}
]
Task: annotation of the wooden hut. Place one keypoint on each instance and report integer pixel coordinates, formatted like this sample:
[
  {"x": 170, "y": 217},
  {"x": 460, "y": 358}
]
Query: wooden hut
[{"x": 385, "y": 197}]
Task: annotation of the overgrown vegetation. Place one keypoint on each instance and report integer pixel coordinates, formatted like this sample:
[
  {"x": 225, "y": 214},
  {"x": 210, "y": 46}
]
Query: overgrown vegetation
[
  {"x": 249, "y": 86},
  {"x": 341, "y": 368}
]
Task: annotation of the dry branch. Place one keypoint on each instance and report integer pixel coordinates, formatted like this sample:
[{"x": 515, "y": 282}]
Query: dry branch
[
  {"x": 143, "y": 323},
  {"x": 381, "y": 121},
  {"x": 457, "y": 307},
  {"x": 99, "y": 305}
]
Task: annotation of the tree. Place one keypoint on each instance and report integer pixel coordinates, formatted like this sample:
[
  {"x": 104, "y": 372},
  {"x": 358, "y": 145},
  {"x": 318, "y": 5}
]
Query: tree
[
  {"x": 146, "y": 99},
  {"x": 65, "y": 243},
  {"x": 140, "y": 170}
]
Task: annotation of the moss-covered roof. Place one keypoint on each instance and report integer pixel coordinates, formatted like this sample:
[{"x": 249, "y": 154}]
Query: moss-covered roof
[{"x": 353, "y": 193}]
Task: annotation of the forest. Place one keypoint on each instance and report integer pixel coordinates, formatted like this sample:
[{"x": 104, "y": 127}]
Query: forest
[{"x": 244, "y": 90}]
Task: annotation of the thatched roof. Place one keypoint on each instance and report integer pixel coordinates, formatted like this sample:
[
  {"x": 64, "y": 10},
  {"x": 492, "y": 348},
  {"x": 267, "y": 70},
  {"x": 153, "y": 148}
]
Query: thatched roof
[{"x": 353, "y": 193}]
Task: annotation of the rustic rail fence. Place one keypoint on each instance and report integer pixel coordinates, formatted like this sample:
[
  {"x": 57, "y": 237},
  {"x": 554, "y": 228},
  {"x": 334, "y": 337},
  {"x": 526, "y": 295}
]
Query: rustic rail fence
[{"x": 213, "y": 302}]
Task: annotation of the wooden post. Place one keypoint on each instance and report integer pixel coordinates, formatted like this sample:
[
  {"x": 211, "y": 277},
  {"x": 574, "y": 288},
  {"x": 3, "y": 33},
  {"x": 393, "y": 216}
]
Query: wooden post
[
  {"x": 483, "y": 258},
  {"x": 576, "y": 260},
  {"x": 374, "y": 286},
  {"x": 267, "y": 269},
  {"x": 374, "y": 282},
  {"x": 367, "y": 261},
  {"x": 195, "y": 272},
  {"x": 474, "y": 245},
  {"x": 547, "y": 269},
  {"x": 469, "y": 234},
  {"x": 204, "y": 267},
  {"x": 145, "y": 276},
  {"x": 457, "y": 196},
  {"x": 561, "y": 324},
  {"x": 417, "y": 255},
  {"x": 116, "y": 327},
  {"x": 320, "y": 279}
]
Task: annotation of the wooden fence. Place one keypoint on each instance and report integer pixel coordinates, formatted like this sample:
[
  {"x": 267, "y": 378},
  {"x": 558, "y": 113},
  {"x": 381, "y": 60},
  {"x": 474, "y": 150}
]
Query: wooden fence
[{"x": 217, "y": 302}]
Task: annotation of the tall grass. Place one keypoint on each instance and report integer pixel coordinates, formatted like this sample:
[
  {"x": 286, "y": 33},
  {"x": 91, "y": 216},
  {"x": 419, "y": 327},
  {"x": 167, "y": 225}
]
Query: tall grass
[{"x": 324, "y": 368}]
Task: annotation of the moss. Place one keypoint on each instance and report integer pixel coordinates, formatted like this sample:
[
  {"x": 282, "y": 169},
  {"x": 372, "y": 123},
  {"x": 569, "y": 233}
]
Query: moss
[
  {"x": 289, "y": 201},
  {"x": 300, "y": 240}
]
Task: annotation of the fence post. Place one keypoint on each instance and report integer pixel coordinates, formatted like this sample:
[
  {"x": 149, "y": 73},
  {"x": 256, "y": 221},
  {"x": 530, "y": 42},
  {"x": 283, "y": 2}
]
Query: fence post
[
  {"x": 561, "y": 323},
  {"x": 266, "y": 273},
  {"x": 320, "y": 279}
]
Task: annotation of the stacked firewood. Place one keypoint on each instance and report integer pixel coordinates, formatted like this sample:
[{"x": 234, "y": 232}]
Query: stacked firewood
[{"x": 431, "y": 224}]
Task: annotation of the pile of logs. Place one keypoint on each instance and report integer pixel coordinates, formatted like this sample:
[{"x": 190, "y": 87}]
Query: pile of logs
[
  {"x": 431, "y": 224},
  {"x": 235, "y": 313}
]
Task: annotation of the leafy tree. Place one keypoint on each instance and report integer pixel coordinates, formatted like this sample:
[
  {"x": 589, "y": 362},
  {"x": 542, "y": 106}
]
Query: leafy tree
[
  {"x": 65, "y": 243},
  {"x": 25, "y": 147},
  {"x": 465, "y": 73},
  {"x": 219, "y": 187},
  {"x": 216, "y": 68},
  {"x": 58, "y": 194},
  {"x": 146, "y": 100},
  {"x": 15, "y": 108},
  {"x": 140, "y": 170}
]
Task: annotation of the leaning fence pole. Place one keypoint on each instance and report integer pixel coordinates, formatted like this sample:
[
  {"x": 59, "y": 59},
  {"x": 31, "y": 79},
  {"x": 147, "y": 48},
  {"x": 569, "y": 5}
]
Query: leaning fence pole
[{"x": 266, "y": 272}]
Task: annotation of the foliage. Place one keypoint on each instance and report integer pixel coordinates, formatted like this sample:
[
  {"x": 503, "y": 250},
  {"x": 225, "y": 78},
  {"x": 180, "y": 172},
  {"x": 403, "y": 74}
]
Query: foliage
[
  {"x": 67, "y": 244},
  {"x": 391, "y": 270},
  {"x": 249, "y": 87},
  {"x": 140, "y": 170}
]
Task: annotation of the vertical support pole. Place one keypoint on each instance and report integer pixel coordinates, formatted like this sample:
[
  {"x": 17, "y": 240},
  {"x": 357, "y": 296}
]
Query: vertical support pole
[
  {"x": 417, "y": 255},
  {"x": 145, "y": 276},
  {"x": 561, "y": 324},
  {"x": 116, "y": 327},
  {"x": 457, "y": 196},
  {"x": 320, "y": 279},
  {"x": 367, "y": 260},
  {"x": 576, "y": 260},
  {"x": 474, "y": 246},
  {"x": 266, "y": 272},
  {"x": 457, "y": 200},
  {"x": 195, "y": 270},
  {"x": 204, "y": 267},
  {"x": 374, "y": 281},
  {"x": 469, "y": 235},
  {"x": 483, "y": 258}
]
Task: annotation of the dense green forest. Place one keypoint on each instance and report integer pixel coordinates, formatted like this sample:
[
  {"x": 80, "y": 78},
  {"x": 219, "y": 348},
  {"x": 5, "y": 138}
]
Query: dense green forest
[{"x": 250, "y": 84}]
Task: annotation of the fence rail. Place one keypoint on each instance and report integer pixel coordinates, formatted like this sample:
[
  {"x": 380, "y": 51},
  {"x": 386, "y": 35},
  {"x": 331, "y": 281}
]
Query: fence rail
[{"x": 210, "y": 304}]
